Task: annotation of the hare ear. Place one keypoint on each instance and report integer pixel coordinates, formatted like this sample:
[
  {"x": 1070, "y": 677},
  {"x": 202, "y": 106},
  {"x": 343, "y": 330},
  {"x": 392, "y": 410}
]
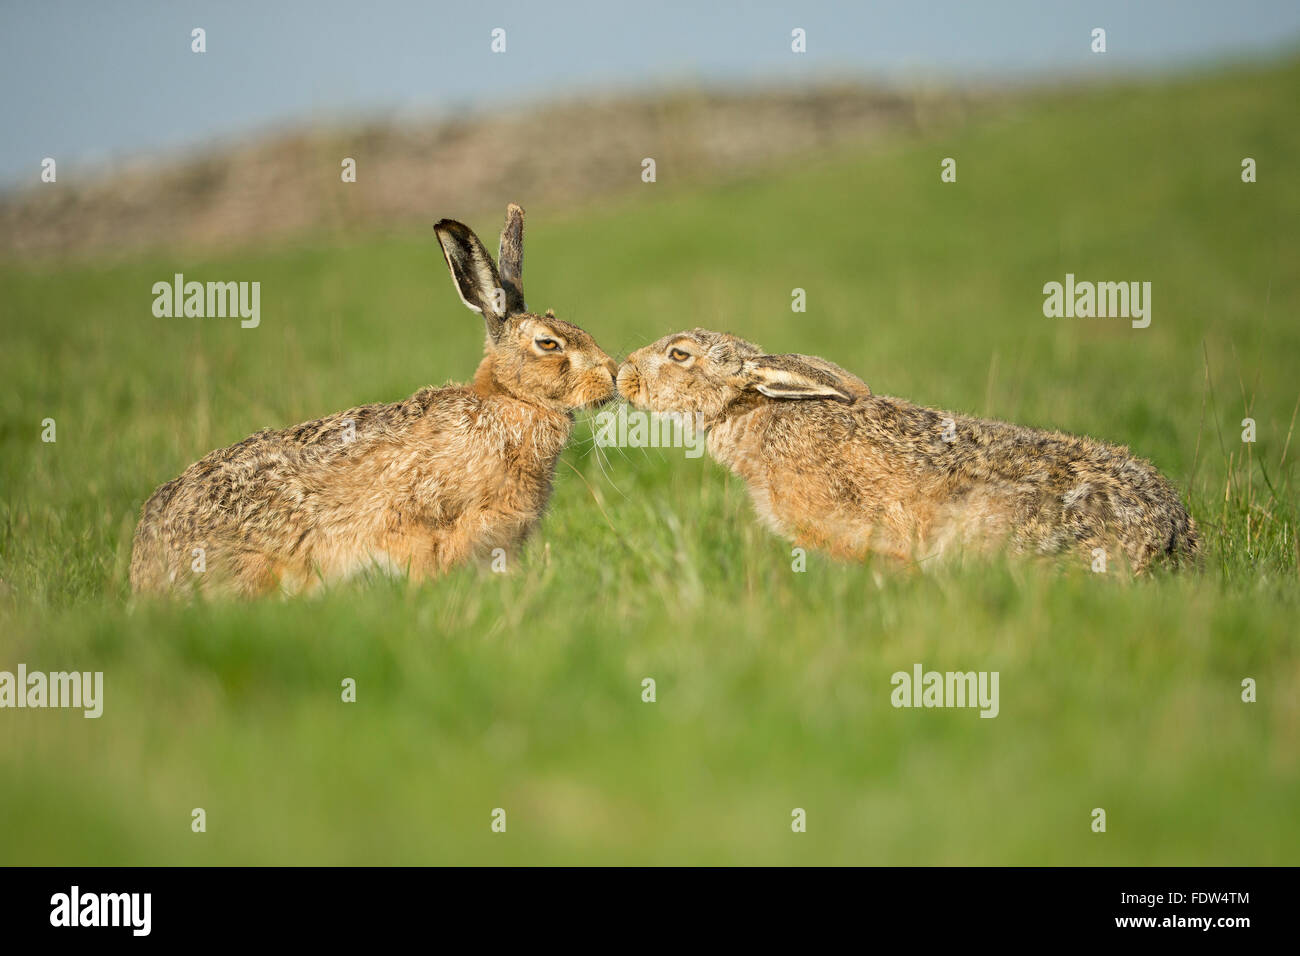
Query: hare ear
[
  {"x": 510, "y": 257},
  {"x": 792, "y": 376},
  {"x": 474, "y": 273}
]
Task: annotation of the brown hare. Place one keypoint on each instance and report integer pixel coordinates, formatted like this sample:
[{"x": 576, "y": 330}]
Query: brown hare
[
  {"x": 416, "y": 486},
  {"x": 830, "y": 465}
]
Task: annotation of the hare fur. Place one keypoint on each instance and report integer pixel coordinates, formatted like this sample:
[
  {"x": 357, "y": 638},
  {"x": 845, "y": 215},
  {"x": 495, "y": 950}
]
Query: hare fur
[
  {"x": 416, "y": 486},
  {"x": 832, "y": 466}
]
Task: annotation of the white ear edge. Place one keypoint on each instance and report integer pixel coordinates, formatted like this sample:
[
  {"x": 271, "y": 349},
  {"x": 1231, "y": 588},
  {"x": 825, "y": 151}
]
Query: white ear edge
[
  {"x": 456, "y": 282},
  {"x": 771, "y": 392},
  {"x": 467, "y": 302},
  {"x": 807, "y": 392}
]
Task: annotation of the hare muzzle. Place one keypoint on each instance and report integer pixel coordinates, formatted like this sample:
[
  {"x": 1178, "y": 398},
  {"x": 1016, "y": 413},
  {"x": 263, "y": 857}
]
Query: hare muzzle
[
  {"x": 630, "y": 383},
  {"x": 596, "y": 386}
]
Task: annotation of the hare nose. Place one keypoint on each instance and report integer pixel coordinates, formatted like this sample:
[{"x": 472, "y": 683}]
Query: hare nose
[{"x": 627, "y": 380}]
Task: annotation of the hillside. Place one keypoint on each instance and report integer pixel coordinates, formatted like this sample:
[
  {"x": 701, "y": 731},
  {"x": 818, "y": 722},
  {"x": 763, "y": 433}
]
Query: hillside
[{"x": 288, "y": 184}]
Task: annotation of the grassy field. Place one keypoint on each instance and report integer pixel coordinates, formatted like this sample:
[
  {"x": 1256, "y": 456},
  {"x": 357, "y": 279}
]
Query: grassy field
[{"x": 523, "y": 691}]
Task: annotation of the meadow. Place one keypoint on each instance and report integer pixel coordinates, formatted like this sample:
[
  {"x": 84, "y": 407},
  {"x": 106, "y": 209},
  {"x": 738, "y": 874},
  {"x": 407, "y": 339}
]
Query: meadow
[{"x": 523, "y": 691}]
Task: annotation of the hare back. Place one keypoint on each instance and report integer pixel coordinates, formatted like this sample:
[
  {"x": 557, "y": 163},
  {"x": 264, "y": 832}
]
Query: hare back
[
  {"x": 420, "y": 484},
  {"x": 885, "y": 475}
]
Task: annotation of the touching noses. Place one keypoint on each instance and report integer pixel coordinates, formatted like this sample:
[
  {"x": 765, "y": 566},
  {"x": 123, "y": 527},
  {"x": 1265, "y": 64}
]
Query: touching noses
[
  {"x": 611, "y": 368},
  {"x": 627, "y": 380}
]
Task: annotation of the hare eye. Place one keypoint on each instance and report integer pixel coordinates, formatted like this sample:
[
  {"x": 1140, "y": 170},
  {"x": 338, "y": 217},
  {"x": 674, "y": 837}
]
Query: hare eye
[
  {"x": 678, "y": 355},
  {"x": 547, "y": 345}
]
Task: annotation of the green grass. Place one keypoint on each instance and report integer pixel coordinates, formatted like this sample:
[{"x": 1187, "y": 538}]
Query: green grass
[{"x": 523, "y": 691}]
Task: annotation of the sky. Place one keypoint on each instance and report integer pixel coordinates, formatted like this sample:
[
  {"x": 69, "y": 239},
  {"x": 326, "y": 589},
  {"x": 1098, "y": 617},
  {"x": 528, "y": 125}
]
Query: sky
[{"x": 91, "y": 82}]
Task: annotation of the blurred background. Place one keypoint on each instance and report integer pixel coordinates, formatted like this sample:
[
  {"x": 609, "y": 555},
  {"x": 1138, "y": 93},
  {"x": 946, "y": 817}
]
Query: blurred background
[
  {"x": 157, "y": 144},
  {"x": 774, "y": 171}
]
